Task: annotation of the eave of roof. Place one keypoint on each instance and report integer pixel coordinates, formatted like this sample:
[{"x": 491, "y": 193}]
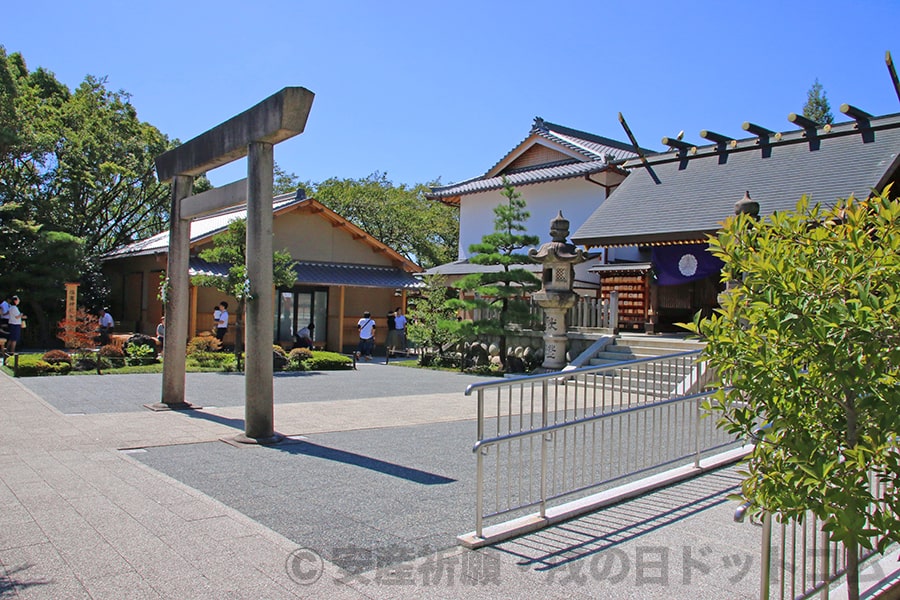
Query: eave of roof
[
  {"x": 680, "y": 196},
  {"x": 204, "y": 229},
  {"x": 328, "y": 273},
  {"x": 451, "y": 193}
]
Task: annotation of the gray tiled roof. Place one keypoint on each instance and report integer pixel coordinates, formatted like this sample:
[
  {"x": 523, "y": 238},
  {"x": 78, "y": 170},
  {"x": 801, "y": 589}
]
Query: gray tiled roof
[
  {"x": 531, "y": 176},
  {"x": 325, "y": 273},
  {"x": 596, "y": 152},
  {"x": 464, "y": 267},
  {"x": 683, "y": 196}
]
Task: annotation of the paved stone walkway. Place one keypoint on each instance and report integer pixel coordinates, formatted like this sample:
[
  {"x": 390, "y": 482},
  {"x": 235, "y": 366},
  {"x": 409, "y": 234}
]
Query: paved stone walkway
[{"x": 363, "y": 502}]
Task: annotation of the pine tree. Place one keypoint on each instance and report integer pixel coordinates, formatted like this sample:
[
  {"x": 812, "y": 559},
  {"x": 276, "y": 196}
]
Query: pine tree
[
  {"x": 817, "y": 107},
  {"x": 496, "y": 297}
]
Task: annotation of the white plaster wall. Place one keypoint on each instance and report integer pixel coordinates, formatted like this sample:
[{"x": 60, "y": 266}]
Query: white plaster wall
[{"x": 577, "y": 198}]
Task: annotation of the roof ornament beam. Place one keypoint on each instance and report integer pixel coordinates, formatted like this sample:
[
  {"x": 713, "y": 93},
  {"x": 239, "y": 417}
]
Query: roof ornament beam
[
  {"x": 893, "y": 72},
  {"x": 637, "y": 148},
  {"x": 676, "y": 144},
  {"x": 856, "y": 114},
  {"x": 803, "y": 122},
  {"x": 757, "y": 130},
  {"x": 715, "y": 137}
]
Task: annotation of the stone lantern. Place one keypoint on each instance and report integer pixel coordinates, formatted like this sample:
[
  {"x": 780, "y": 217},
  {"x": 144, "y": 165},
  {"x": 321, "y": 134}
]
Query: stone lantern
[{"x": 558, "y": 258}]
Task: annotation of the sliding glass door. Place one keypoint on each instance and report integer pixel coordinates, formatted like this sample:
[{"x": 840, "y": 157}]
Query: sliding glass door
[{"x": 298, "y": 308}]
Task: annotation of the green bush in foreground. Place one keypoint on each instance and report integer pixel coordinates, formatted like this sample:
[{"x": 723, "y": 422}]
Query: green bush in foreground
[{"x": 327, "y": 361}]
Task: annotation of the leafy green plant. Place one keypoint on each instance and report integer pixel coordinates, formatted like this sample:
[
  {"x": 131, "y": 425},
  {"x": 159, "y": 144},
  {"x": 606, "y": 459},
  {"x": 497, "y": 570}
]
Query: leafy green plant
[
  {"x": 139, "y": 354},
  {"x": 807, "y": 341}
]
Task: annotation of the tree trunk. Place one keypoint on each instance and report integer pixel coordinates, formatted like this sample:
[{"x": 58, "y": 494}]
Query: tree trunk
[{"x": 852, "y": 569}]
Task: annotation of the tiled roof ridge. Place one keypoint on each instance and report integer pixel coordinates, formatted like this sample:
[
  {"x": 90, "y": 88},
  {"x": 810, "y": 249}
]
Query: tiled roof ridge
[
  {"x": 550, "y": 172},
  {"x": 775, "y": 139},
  {"x": 540, "y": 125}
]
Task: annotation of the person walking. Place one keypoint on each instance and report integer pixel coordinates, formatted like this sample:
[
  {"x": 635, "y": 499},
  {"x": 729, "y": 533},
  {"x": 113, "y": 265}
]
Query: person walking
[
  {"x": 16, "y": 322},
  {"x": 366, "y": 327}
]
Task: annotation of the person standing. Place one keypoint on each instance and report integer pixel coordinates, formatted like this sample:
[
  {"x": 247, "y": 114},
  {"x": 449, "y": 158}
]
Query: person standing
[
  {"x": 161, "y": 331},
  {"x": 390, "y": 342},
  {"x": 366, "y": 327},
  {"x": 400, "y": 324},
  {"x": 106, "y": 324},
  {"x": 222, "y": 322},
  {"x": 16, "y": 319},
  {"x": 4, "y": 318}
]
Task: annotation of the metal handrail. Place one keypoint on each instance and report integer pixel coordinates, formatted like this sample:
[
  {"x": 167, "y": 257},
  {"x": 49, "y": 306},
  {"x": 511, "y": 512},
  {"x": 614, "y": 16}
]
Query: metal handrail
[
  {"x": 592, "y": 426},
  {"x": 583, "y": 421},
  {"x": 569, "y": 374}
]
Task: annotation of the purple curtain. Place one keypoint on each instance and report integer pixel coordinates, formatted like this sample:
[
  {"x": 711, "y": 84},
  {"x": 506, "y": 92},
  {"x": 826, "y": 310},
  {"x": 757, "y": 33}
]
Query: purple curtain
[{"x": 679, "y": 264}]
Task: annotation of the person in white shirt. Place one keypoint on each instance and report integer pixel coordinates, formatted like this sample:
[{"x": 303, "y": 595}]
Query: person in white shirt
[
  {"x": 222, "y": 322},
  {"x": 400, "y": 325},
  {"x": 15, "y": 325},
  {"x": 366, "y": 327},
  {"x": 106, "y": 324}
]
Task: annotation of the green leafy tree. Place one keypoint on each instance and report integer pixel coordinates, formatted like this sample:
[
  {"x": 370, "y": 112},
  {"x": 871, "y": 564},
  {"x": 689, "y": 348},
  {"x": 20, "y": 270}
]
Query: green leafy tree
[
  {"x": 230, "y": 248},
  {"x": 432, "y": 320},
  {"x": 808, "y": 342},
  {"x": 817, "y": 107},
  {"x": 75, "y": 163},
  {"x": 497, "y": 296},
  {"x": 423, "y": 230}
]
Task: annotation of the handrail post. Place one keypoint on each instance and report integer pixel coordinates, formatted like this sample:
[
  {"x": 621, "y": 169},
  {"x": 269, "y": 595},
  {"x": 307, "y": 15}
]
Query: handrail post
[
  {"x": 765, "y": 558},
  {"x": 544, "y": 442},
  {"x": 697, "y": 416},
  {"x": 479, "y": 473}
]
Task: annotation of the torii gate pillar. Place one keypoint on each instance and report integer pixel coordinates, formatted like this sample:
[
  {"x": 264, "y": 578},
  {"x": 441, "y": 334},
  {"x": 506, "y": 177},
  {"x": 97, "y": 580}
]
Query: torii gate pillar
[{"x": 254, "y": 132}]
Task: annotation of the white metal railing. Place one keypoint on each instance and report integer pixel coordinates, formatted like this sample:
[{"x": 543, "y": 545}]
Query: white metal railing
[
  {"x": 798, "y": 561},
  {"x": 547, "y": 437}
]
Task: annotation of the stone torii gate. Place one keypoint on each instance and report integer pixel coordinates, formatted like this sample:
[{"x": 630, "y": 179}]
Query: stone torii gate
[{"x": 253, "y": 133}]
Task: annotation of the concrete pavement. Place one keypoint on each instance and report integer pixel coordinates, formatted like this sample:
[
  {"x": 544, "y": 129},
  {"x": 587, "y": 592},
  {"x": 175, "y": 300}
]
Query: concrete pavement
[{"x": 365, "y": 500}]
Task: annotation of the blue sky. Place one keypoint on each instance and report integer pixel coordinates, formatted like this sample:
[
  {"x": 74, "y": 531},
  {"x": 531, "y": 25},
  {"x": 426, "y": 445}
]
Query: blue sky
[{"x": 425, "y": 90}]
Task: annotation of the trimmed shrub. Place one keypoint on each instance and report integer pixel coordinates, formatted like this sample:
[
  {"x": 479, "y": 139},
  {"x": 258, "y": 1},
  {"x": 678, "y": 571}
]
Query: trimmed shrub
[
  {"x": 111, "y": 351},
  {"x": 57, "y": 356},
  {"x": 203, "y": 344},
  {"x": 33, "y": 365},
  {"x": 296, "y": 358},
  {"x": 327, "y": 361},
  {"x": 212, "y": 360}
]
